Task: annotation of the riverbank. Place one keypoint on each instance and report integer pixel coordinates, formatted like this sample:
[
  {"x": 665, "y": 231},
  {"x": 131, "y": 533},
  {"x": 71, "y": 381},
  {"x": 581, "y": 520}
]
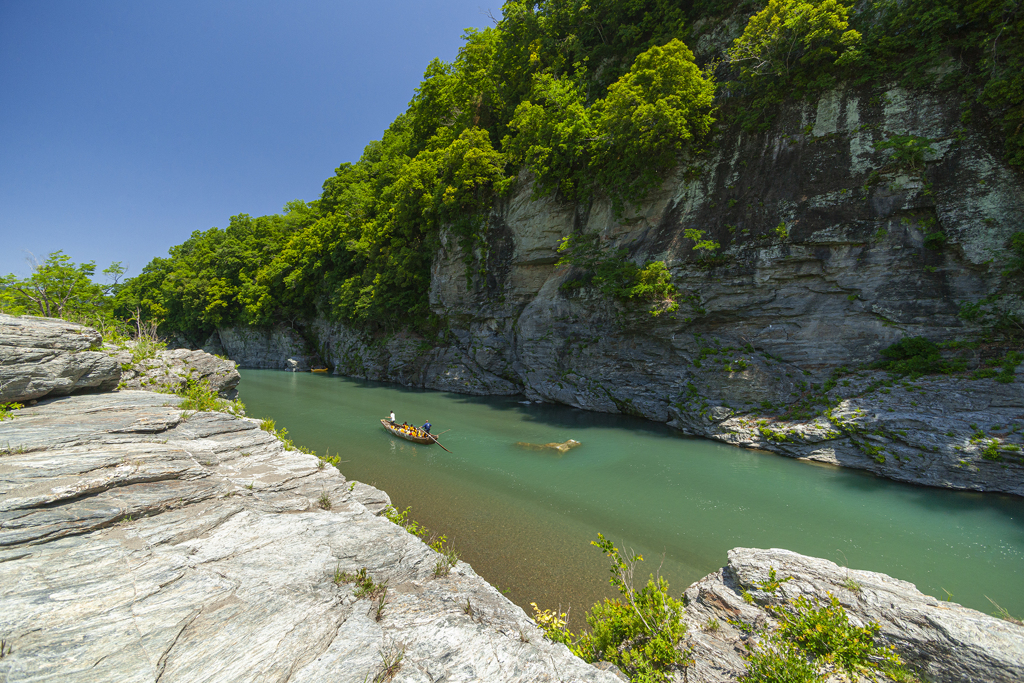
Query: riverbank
[
  {"x": 158, "y": 545},
  {"x": 154, "y": 543}
]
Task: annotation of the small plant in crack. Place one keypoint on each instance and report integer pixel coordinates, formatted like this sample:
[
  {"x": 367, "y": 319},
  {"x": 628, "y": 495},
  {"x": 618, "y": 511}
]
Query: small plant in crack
[
  {"x": 447, "y": 559},
  {"x": 381, "y": 601},
  {"x": 390, "y": 662},
  {"x": 325, "y": 500},
  {"x": 365, "y": 585}
]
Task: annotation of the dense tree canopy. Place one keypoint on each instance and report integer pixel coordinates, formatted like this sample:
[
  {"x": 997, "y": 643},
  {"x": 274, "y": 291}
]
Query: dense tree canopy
[{"x": 584, "y": 98}]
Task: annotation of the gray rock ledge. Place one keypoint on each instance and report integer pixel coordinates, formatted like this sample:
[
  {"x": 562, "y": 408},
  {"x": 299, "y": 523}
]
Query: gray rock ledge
[
  {"x": 170, "y": 370},
  {"x": 140, "y": 544},
  {"x": 943, "y": 640},
  {"x": 48, "y": 357}
]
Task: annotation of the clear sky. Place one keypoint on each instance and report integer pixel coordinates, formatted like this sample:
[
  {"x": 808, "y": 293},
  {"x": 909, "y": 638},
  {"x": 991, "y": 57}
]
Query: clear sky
[{"x": 124, "y": 126}]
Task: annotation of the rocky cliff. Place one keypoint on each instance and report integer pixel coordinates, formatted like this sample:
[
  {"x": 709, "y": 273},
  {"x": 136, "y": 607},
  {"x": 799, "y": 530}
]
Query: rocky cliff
[
  {"x": 831, "y": 249},
  {"x": 279, "y": 348}
]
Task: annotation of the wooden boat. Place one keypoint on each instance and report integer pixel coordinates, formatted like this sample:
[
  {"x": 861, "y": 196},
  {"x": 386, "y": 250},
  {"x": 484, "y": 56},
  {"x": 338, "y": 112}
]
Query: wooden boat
[
  {"x": 319, "y": 370},
  {"x": 410, "y": 433}
]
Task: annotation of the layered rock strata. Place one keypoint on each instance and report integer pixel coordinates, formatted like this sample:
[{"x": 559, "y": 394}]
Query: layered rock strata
[
  {"x": 42, "y": 357},
  {"x": 141, "y": 543},
  {"x": 171, "y": 370},
  {"x": 944, "y": 641}
]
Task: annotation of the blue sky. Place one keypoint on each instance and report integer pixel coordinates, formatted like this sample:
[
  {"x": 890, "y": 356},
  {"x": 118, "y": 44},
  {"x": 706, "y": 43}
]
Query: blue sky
[{"x": 124, "y": 126}]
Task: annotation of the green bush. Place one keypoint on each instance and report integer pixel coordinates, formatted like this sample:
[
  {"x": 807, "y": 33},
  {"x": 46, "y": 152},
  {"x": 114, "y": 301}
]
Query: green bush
[
  {"x": 824, "y": 633},
  {"x": 909, "y": 152},
  {"x": 640, "y": 632},
  {"x": 916, "y": 356},
  {"x": 614, "y": 275},
  {"x": 777, "y": 660},
  {"x": 7, "y": 410},
  {"x": 1015, "y": 245},
  {"x": 199, "y": 397}
]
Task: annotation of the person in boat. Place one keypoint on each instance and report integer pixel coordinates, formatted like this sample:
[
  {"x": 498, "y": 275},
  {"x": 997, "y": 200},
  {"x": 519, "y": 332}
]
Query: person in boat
[
  {"x": 426, "y": 426},
  {"x": 392, "y": 417}
]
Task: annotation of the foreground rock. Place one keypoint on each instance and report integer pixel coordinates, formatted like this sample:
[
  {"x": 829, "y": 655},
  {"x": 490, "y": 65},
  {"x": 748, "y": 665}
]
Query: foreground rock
[
  {"x": 138, "y": 543},
  {"x": 42, "y": 357},
  {"x": 942, "y": 640},
  {"x": 171, "y": 370}
]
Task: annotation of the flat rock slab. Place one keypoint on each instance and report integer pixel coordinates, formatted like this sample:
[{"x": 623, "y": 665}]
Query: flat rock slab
[
  {"x": 42, "y": 357},
  {"x": 138, "y": 543}
]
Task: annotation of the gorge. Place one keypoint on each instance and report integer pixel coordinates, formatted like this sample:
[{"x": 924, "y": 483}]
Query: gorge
[
  {"x": 143, "y": 541},
  {"x": 679, "y": 237}
]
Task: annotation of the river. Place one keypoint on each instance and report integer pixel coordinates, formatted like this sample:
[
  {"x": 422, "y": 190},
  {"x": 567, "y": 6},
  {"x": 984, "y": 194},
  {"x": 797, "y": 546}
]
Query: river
[{"x": 524, "y": 518}]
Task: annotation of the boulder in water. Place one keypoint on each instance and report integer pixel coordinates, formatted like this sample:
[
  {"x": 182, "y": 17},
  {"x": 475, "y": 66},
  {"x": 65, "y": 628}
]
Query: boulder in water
[{"x": 560, "y": 447}]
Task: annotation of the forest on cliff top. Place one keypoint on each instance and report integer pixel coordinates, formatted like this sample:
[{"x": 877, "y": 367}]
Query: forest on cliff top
[{"x": 583, "y": 99}]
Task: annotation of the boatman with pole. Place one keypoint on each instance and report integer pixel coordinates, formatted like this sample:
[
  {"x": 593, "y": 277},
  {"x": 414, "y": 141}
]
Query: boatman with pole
[
  {"x": 426, "y": 426},
  {"x": 392, "y": 417}
]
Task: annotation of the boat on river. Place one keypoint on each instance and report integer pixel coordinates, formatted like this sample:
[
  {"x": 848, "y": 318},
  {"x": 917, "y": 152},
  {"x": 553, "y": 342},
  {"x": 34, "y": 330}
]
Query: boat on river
[{"x": 408, "y": 432}]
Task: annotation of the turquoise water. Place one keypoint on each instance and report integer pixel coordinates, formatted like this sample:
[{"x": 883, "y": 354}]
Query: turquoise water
[{"x": 524, "y": 518}]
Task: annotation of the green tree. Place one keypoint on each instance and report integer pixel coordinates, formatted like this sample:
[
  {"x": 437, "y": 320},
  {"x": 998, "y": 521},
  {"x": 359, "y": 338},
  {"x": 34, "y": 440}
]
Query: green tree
[
  {"x": 553, "y": 134},
  {"x": 792, "y": 47},
  {"x": 57, "y": 288},
  {"x": 650, "y": 115}
]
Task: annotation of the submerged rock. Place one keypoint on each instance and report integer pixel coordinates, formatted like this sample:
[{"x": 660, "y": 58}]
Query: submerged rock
[
  {"x": 140, "y": 543},
  {"x": 560, "y": 447},
  {"x": 42, "y": 357}
]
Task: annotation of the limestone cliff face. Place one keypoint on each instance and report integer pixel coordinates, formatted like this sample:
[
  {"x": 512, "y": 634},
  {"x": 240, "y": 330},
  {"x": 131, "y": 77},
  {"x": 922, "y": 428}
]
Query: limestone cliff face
[
  {"x": 822, "y": 264},
  {"x": 278, "y": 348}
]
